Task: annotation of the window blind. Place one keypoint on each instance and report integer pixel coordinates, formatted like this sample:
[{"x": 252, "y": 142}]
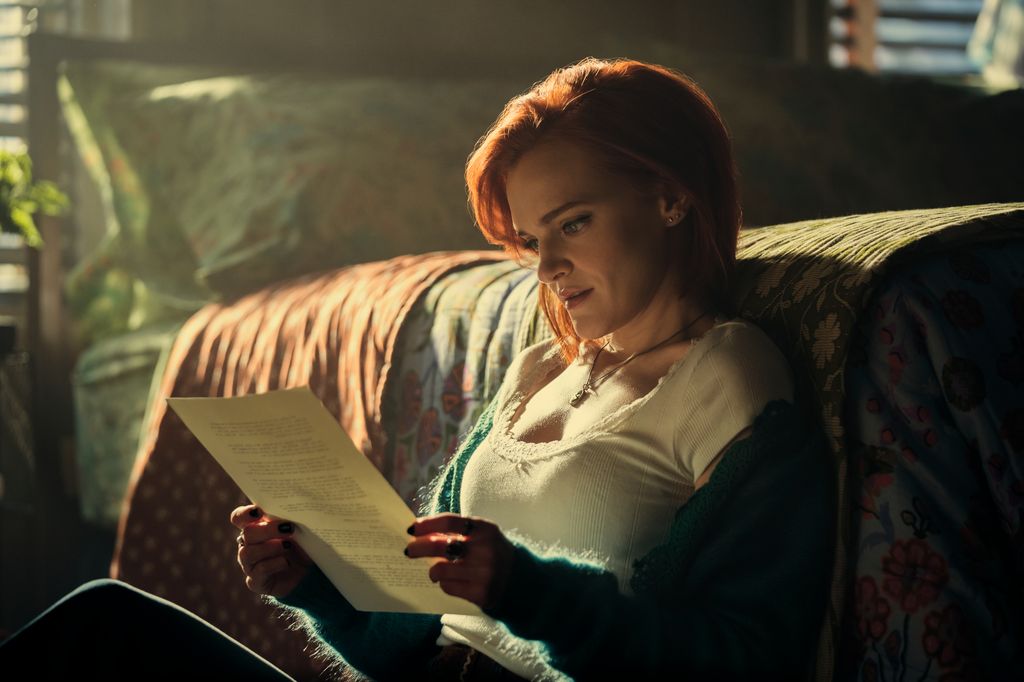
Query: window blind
[
  {"x": 17, "y": 20},
  {"x": 922, "y": 37}
]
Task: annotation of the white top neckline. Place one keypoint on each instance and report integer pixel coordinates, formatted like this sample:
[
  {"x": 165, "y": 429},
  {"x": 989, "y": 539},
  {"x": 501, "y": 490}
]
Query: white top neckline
[{"x": 517, "y": 451}]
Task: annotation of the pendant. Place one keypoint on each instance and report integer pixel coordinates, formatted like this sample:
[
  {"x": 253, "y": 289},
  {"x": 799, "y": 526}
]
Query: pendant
[{"x": 580, "y": 395}]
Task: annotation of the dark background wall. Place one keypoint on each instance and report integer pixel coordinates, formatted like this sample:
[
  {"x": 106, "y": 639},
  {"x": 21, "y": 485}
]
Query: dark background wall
[{"x": 773, "y": 29}]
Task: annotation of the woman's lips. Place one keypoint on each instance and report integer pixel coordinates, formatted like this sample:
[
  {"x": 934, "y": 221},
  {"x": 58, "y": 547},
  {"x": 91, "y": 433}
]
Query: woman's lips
[{"x": 578, "y": 299}]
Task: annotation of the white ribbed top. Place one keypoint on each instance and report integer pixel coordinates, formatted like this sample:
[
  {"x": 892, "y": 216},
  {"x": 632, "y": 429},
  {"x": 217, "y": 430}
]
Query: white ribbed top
[{"x": 611, "y": 492}]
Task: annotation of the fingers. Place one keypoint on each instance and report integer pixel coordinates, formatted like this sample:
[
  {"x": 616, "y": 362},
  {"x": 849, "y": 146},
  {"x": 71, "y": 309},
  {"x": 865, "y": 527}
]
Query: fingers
[
  {"x": 453, "y": 537},
  {"x": 451, "y": 547},
  {"x": 261, "y": 577},
  {"x": 452, "y": 523},
  {"x": 476, "y": 591},
  {"x": 249, "y": 556},
  {"x": 265, "y": 531},
  {"x": 476, "y": 555},
  {"x": 244, "y": 515},
  {"x": 272, "y": 564},
  {"x": 476, "y": 580}
]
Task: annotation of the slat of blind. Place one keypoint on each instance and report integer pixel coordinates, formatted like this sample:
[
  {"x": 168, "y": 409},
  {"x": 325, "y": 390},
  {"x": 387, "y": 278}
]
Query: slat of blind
[
  {"x": 8, "y": 129},
  {"x": 904, "y": 36},
  {"x": 962, "y": 9},
  {"x": 13, "y": 276},
  {"x": 922, "y": 32}
]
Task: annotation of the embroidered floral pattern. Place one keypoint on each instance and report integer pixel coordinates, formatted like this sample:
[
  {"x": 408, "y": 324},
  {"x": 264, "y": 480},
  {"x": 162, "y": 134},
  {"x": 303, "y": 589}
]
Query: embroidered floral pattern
[
  {"x": 938, "y": 558},
  {"x": 825, "y": 335},
  {"x": 914, "y": 574},
  {"x": 456, "y": 386},
  {"x": 871, "y": 610},
  {"x": 429, "y": 439},
  {"x": 771, "y": 278},
  {"x": 964, "y": 383},
  {"x": 963, "y": 310},
  {"x": 412, "y": 401},
  {"x": 810, "y": 281},
  {"x": 946, "y": 636}
]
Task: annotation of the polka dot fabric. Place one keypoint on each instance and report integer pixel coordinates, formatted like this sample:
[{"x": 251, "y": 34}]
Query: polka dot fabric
[{"x": 334, "y": 332}]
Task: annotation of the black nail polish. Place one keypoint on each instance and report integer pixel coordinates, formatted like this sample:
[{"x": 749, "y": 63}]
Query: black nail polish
[
  {"x": 255, "y": 512},
  {"x": 285, "y": 527},
  {"x": 406, "y": 551},
  {"x": 287, "y": 544},
  {"x": 411, "y": 530}
]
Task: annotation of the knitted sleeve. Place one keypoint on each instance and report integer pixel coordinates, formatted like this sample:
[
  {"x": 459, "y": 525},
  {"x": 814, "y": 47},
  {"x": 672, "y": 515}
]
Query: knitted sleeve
[
  {"x": 380, "y": 645},
  {"x": 737, "y": 592}
]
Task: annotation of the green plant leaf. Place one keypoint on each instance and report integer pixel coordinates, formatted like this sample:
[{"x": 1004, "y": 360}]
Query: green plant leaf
[
  {"x": 21, "y": 199},
  {"x": 23, "y": 220}
]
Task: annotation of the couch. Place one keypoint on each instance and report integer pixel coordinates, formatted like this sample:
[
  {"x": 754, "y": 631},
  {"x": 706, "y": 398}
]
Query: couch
[
  {"x": 904, "y": 332},
  {"x": 253, "y": 240}
]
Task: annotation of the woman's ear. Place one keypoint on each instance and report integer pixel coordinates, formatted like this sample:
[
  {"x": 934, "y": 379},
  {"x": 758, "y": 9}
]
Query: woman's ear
[{"x": 674, "y": 207}]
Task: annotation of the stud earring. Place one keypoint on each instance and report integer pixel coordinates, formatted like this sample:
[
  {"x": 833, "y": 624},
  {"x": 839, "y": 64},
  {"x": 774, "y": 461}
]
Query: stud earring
[{"x": 672, "y": 220}]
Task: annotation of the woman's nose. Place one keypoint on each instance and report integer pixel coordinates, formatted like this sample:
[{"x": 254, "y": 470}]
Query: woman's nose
[{"x": 551, "y": 265}]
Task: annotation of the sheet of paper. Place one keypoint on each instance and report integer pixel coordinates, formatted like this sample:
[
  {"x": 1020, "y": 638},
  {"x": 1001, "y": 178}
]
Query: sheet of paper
[{"x": 292, "y": 458}]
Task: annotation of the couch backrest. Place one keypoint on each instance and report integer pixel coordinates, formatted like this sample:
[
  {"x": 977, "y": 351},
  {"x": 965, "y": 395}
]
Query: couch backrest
[{"x": 807, "y": 285}]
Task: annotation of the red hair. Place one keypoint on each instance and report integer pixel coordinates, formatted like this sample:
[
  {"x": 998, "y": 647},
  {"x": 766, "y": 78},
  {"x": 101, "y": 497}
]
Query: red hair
[{"x": 648, "y": 123}]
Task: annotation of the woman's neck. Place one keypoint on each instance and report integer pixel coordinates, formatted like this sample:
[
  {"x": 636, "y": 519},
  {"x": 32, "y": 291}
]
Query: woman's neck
[{"x": 677, "y": 320}]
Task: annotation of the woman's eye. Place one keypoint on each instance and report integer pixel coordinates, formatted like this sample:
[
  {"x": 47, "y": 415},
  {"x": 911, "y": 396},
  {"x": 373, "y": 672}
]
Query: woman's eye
[
  {"x": 574, "y": 226},
  {"x": 571, "y": 227}
]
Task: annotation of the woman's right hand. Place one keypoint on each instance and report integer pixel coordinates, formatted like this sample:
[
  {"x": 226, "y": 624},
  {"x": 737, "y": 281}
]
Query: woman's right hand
[{"x": 273, "y": 564}]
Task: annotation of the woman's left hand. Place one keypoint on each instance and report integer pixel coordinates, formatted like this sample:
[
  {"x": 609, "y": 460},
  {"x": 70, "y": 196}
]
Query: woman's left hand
[{"x": 477, "y": 557}]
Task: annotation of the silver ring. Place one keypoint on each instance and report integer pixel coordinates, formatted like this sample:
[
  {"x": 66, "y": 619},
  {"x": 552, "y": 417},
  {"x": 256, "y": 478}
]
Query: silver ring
[
  {"x": 240, "y": 540},
  {"x": 454, "y": 550}
]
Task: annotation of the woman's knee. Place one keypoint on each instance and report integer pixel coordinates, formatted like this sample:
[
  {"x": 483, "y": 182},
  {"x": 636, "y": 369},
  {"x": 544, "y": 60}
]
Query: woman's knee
[{"x": 104, "y": 591}]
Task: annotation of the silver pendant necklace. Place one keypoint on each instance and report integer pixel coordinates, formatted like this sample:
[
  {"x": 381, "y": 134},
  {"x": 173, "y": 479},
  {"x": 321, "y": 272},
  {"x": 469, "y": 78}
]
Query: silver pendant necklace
[{"x": 590, "y": 384}]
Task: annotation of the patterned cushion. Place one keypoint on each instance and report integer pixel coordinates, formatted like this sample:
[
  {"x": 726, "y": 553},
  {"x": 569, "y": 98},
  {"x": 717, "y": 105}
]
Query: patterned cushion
[
  {"x": 218, "y": 185},
  {"x": 807, "y": 284},
  {"x": 453, "y": 351},
  {"x": 936, "y": 411}
]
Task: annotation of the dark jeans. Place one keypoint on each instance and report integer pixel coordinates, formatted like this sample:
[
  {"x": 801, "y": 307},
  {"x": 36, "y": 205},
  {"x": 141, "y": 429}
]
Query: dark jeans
[{"x": 110, "y": 630}]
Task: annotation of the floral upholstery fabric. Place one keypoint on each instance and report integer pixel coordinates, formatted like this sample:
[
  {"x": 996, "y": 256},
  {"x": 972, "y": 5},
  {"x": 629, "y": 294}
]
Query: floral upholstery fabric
[
  {"x": 936, "y": 400},
  {"x": 455, "y": 346},
  {"x": 807, "y": 285}
]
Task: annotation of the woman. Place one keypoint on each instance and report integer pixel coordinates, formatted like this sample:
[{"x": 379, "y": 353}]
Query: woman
[
  {"x": 615, "y": 181},
  {"x": 640, "y": 498}
]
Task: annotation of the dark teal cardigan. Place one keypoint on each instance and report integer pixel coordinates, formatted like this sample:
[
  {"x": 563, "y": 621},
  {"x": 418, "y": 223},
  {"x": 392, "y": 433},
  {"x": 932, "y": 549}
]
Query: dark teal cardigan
[{"x": 737, "y": 592}]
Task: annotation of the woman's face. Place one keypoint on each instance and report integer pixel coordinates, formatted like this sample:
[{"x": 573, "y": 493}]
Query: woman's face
[{"x": 594, "y": 233}]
